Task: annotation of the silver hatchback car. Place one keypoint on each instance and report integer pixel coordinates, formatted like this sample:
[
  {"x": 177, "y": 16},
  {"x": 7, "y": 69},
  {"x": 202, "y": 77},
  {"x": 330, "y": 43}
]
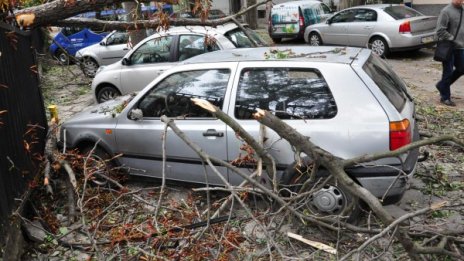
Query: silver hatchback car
[
  {"x": 384, "y": 28},
  {"x": 162, "y": 50},
  {"x": 348, "y": 101},
  {"x": 111, "y": 49}
]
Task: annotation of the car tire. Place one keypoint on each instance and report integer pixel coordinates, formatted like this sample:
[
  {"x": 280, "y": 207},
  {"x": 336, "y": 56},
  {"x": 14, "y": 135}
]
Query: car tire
[
  {"x": 107, "y": 93},
  {"x": 379, "y": 46},
  {"x": 314, "y": 39},
  {"x": 332, "y": 198},
  {"x": 276, "y": 40},
  {"x": 62, "y": 57},
  {"x": 98, "y": 164},
  {"x": 89, "y": 66}
]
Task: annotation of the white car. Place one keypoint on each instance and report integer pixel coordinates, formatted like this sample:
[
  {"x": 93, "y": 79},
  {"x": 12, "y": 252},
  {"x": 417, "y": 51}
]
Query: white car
[
  {"x": 162, "y": 50},
  {"x": 111, "y": 49}
]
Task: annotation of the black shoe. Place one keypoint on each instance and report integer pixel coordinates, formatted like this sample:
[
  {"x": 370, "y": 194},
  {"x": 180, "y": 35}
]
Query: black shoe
[
  {"x": 438, "y": 88},
  {"x": 448, "y": 102}
]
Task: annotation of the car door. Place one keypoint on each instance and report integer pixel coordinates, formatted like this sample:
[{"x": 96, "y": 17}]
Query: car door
[
  {"x": 140, "y": 141},
  {"x": 360, "y": 29},
  {"x": 298, "y": 95},
  {"x": 335, "y": 32},
  {"x": 190, "y": 45},
  {"x": 113, "y": 48},
  {"x": 147, "y": 62}
]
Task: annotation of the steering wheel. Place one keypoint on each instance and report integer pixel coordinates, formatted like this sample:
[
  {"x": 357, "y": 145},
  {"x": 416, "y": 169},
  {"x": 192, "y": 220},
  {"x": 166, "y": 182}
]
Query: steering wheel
[
  {"x": 156, "y": 57},
  {"x": 176, "y": 105},
  {"x": 170, "y": 102}
]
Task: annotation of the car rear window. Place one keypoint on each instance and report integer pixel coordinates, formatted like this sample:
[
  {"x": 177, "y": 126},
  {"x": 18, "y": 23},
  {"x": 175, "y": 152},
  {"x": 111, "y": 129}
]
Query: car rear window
[
  {"x": 290, "y": 93},
  {"x": 387, "y": 80},
  {"x": 401, "y": 12},
  {"x": 241, "y": 40}
]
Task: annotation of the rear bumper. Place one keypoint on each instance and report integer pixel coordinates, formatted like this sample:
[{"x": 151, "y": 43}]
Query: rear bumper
[
  {"x": 299, "y": 34},
  {"x": 404, "y": 42},
  {"x": 387, "y": 182}
]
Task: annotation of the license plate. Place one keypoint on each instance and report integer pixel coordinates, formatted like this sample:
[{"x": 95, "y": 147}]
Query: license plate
[{"x": 427, "y": 39}]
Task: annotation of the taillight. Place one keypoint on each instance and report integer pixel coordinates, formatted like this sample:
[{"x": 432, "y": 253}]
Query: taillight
[
  {"x": 301, "y": 22},
  {"x": 400, "y": 134},
  {"x": 405, "y": 27}
]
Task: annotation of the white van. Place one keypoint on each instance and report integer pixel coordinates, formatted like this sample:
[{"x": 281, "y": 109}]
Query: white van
[{"x": 289, "y": 20}]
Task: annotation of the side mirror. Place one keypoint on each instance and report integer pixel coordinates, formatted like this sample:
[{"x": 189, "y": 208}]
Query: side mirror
[
  {"x": 329, "y": 21},
  {"x": 103, "y": 43},
  {"x": 135, "y": 114},
  {"x": 125, "y": 61}
]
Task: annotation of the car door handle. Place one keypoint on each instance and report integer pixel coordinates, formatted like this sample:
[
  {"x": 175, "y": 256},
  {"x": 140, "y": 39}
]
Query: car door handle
[
  {"x": 368, "y": 27},
  {"x": 213, "y": 133},
  {"x": 125, "y": 49}
]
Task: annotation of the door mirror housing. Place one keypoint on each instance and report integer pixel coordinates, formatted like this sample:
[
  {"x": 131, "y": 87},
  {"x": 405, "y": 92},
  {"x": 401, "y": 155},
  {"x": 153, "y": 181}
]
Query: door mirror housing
[
  {"x": 103, "y": 42},
  {"x": 135, "y": 114},
  {"x": 125, "y": 61}
]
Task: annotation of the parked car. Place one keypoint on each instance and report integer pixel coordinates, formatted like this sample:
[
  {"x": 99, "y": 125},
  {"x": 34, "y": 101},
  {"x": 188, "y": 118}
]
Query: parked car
[
  {"x": 72, "y": 39},
  {"x": 289, "y": 20},
  {"x": 212, "y": 14},
  {"x": 111, "y": 49},
  {"x": 163, "y": 50},
  {"x": 349, "y": 102},
  {"x": 384, "y": 28}
]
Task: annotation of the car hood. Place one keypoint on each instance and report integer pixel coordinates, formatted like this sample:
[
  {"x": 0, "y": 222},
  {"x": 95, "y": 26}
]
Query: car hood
[
  {"x": 86, "y": 49},
  {"x": 114, "y": 66},
  {"x": 101, "y": 113}
]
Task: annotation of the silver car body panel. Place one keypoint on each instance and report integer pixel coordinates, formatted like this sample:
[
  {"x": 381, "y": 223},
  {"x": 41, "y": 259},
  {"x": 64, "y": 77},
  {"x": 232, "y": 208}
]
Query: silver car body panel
[
  {"x": 361, "y": 125},
  {"x": 360, "y": 33}
]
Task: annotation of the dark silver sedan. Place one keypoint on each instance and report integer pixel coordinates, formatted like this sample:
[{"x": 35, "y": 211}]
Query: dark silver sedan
[{"x": 383, "y": 28}]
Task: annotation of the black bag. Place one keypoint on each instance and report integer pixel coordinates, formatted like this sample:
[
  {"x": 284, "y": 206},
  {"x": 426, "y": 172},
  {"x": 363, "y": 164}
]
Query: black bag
[
  {"x": 443, "y": 51},
  {"x": 445, "y": 48}
]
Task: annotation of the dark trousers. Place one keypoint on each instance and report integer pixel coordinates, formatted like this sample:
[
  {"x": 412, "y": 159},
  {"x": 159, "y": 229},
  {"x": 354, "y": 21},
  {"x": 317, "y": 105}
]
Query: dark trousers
[{"x": 452, "y": 70}]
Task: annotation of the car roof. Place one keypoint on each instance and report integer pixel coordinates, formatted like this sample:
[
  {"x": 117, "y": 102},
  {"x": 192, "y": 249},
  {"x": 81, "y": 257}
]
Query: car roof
[
  {"x": 303, "y": 2},
  {"x": 374, "y": 6},
  {"x": 220, "y": 29},
  {"x": 332, "y": 54}
]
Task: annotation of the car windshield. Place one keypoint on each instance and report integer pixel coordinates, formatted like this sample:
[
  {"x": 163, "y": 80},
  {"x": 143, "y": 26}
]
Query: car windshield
[
  {"x": 401, "y": 12},
  {"x": 241, "y": 40}
]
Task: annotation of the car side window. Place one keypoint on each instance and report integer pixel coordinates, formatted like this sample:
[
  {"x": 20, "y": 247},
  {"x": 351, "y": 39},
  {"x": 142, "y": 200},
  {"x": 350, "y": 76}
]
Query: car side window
[
  {"x": 387, "y": 80},
  {"x": 171, "y": 97},
  {"x": 118, "y": 38},
  {"x": 325, "y": 8},
  {"x": 365, "y": 15},
  {"x": 344, "y": 16},
  {"x": 153, "y": 51},
  {"x": 290, "y": 93},
  {"x": 193, "y": 45},
  {"x": 312, "y": 15}
]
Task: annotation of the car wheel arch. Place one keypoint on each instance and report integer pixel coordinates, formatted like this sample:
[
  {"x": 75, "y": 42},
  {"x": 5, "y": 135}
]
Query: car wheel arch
[
  {"x": 380, "y": 35},
  {"x": 100, "y": 88},
  {"x": 374, "y": 44},
  {"x": 90, "y": 141},
  {"x": 311, "y": 32},
  {"x": 352, "y": 204},
  {"x": 103, "y": 85}
]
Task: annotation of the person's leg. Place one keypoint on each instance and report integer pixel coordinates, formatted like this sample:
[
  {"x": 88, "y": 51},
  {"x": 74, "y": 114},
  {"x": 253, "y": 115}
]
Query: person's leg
[
  {"x": 443, "y": 85},
  {"x": 458, "y": 65}
]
